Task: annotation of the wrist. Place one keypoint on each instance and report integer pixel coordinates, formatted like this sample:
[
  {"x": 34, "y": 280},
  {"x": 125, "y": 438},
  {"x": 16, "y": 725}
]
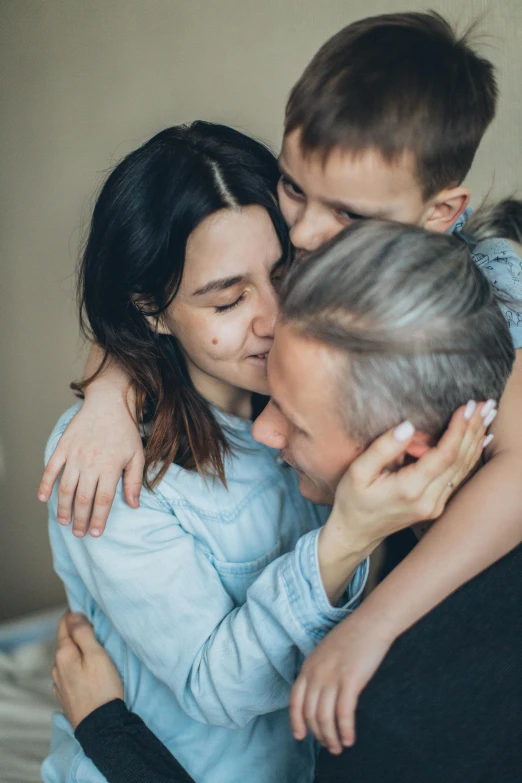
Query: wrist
[
  {"x": 113, "y": 384},
  {"x": 345, "y": 539},
  {"x": 377, "y": 615}
]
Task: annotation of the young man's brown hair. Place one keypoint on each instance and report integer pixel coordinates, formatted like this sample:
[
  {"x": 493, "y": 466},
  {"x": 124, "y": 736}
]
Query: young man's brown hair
[{"x": 397, "y": 83}]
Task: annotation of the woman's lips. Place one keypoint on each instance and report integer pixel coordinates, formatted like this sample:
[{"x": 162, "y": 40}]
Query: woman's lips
[{"x": 259, "y": 358}]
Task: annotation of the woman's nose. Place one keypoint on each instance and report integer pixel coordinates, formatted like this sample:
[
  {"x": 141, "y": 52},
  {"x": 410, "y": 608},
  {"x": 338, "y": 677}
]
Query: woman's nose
[{"x": 264, "y": 322}]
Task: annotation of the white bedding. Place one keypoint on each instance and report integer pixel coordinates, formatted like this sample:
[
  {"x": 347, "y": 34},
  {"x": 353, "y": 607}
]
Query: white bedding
[{"x": 26, "y": 702}]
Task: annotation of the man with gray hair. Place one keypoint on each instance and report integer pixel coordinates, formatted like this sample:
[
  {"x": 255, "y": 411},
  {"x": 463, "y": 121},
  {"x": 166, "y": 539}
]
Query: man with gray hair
[
  {"x": 384, "y": 324},
  {"x": 389, "y": 324}
]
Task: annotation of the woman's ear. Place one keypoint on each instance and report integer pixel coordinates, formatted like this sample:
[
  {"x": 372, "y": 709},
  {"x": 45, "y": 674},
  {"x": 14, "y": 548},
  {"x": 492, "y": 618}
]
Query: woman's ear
[{"x": 156, "y": 322}]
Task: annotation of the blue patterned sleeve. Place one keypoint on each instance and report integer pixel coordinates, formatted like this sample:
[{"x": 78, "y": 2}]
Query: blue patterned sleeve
[
  {"x": 499, "y": 262},
  {"x": 497, "y": 259}
]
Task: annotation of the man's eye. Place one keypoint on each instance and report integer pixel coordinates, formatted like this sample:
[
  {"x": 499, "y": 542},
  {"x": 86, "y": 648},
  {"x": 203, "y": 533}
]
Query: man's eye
[
  {"x": 290, "y": 188},
  {"x": 231, "y": 306}
]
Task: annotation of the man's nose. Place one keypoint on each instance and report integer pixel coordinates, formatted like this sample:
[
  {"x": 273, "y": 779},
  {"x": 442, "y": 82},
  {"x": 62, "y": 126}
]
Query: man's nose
[{"x": 269, "y": 428}]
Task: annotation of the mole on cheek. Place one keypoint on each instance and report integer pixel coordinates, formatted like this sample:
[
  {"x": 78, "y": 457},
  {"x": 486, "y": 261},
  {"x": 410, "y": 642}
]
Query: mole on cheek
[{"x": 215, "y": 341}]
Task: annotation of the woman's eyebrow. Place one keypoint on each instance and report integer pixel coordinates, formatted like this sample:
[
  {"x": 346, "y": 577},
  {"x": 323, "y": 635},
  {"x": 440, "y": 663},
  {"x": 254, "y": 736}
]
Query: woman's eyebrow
[{"x": 219, "y": 285}]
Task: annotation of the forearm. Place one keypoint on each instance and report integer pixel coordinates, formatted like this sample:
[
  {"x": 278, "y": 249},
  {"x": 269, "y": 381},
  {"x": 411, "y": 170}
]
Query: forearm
[
  {"x": 125, "y": 750},
  {"x": 148, "y": 574},
  {"x": 338, "y": 561},
  {"x": 475, "y": 531}
]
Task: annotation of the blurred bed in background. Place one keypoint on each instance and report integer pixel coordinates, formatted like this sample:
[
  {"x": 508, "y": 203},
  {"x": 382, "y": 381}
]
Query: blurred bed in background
[{"x": 26, "y": 701}]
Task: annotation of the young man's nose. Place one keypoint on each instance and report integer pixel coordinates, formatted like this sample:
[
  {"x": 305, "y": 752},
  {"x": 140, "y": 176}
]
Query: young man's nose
[
  {"x": 269, "y": 428},
  {"x": 311, "y": 230}
]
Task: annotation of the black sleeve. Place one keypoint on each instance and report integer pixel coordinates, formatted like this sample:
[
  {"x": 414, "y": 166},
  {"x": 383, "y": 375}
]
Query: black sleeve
[{"x": 125, "y": 750}]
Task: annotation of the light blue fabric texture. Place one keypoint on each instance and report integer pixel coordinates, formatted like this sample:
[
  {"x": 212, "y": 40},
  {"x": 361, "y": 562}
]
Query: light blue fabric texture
[
  {"x": 207, "y": 599},
  {"x": 503, "y": 268}
]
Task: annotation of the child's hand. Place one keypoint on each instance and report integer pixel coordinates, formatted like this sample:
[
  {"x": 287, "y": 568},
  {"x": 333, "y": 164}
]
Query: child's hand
[
  {"x": 100, "y": 443},
  {"x": 325, "y": 694},
  {"x": 84, "y": 677}
]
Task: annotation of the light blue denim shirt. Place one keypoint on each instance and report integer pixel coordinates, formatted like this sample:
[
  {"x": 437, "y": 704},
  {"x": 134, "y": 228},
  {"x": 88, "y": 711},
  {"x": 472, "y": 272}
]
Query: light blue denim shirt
[
  {"x": 207, "y": 599},
  {"x": 501, "y": 265}
]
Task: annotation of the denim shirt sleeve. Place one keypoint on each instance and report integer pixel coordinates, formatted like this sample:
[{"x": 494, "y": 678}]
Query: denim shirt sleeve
[{"x": 226, "y": 664}]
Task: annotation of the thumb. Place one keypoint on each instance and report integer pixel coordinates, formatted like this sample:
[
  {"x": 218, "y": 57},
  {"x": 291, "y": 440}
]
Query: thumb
[
  {"x": 133, "y": 479},
  {"x": 82, "y": 633},
  {"x": 387, "y": 448}
]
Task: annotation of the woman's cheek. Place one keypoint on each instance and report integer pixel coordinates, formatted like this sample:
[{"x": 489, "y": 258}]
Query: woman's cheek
[{"x": 227, "y": 335}]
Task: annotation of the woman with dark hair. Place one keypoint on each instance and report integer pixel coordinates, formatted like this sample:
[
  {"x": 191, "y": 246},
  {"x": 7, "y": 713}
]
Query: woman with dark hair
[{"x": 209, "y": 594}]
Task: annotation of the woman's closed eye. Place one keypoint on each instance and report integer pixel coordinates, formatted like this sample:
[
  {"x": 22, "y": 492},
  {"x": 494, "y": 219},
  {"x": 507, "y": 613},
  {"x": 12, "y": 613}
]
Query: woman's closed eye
[{"x": 227, "y": 307}]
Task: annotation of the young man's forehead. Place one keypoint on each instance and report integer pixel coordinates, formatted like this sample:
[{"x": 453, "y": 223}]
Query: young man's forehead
[{"x": 362, "y": 182}]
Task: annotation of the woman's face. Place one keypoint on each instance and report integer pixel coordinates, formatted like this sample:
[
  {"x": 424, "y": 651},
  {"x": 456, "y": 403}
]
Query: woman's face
[{"x": 224, "y": 313}]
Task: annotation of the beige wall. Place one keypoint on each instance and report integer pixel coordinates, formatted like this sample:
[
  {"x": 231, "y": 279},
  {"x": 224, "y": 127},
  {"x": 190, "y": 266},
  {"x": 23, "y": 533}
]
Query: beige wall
[{"x": 84, "y": 81}]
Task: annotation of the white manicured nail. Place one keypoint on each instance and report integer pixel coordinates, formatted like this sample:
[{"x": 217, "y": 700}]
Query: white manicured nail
[
  {"x": 470, "y": 409},
  {"x": 487, "y": 440},
  {"x": 488, "y": 407},
  {"x": 489, "y": 418},
  {"x": 404, "y": 431}
]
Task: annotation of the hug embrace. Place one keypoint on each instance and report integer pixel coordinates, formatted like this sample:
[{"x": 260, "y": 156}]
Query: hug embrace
[{"x": 291, "y": 360}]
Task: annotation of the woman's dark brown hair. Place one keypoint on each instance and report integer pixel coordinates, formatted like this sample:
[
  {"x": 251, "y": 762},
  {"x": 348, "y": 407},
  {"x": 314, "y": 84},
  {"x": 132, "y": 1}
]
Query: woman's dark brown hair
[{"x": 132, "y": 267}]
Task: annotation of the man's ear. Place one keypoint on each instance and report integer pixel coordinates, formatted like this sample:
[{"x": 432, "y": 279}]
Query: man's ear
[
  {"x": 446, "y": 208},
  {"x": 419, "y": 444}
]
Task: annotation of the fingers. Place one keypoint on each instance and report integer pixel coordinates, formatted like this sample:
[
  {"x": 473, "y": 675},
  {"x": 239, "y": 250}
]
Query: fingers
[
  {"x": 66, "y": 648},
  {"x": 345, "y": 709},
  {"x": 381, "y": 453},
  {"x": 66, "y": 493},
  {"x": 133, "y": 480},
  {"x": 326, "y": 720},
  {"x": 103, "y": 500},
  {"x": 434, "y": 464},
  {"x": 485, "y": 414},
  {"x": 310, "y": 703},
  {"x": 62, "y": 633},
  {"x": 85, "y": 493},
  {"x": 315, "y": 708},
  {"x": 297, "y": 721},
  {"x": 470, "y": 449},
  {"x": 82, "y": 634},
  {"x": 50, "y": 474}
]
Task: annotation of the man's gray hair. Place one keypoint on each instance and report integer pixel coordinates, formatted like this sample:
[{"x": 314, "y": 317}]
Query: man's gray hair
[{"x": 418, "y": 321}]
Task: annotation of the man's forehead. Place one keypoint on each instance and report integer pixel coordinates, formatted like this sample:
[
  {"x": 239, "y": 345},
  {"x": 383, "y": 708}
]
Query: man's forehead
[{"x": 301, "y": 374}]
